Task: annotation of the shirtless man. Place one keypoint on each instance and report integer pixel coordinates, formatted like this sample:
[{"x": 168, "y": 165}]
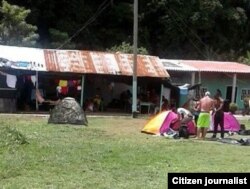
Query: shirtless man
[{"x": 206, "y": 104}]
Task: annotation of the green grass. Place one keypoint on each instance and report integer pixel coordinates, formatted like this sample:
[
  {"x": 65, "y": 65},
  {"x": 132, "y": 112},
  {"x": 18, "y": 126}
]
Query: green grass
[{"x": 108, "y": 153}]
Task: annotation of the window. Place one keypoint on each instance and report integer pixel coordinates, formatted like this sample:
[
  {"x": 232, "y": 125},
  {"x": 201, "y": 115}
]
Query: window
[{"x": 244, "y": 93}]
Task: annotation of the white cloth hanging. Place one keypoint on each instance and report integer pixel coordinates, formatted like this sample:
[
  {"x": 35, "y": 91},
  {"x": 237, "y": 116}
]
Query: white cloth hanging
[
  {"x": 33, "y": 79},
  {"x": 11, "y": 80}
]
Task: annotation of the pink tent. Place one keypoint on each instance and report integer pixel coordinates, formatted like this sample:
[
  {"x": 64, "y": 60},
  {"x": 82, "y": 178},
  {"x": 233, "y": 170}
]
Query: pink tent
[
  {"x": 230, "y": 123},
  {"x": 172, "y": 118},
  {"x": 162, "y": 122}
]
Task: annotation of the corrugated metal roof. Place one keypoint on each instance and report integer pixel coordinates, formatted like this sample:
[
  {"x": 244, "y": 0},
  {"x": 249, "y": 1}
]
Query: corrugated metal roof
[
  {"x": 146, "y": 65},
  {"x": 103, "y": 63},
  {"x": 22, "y": 58},
  {"x": 216, "y": 66},
  {"x": 176, "y": 65},
  {"x": 204, "y": 66},
  {"x": 80, "y": 61}
]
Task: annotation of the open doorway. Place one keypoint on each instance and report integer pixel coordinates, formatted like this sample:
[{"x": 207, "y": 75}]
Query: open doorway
[{"x": 229, "y": 93}]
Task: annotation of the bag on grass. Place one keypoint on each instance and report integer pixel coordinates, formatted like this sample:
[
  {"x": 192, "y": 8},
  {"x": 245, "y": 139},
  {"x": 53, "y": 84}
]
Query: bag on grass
[{"x": 183, "y": 132}]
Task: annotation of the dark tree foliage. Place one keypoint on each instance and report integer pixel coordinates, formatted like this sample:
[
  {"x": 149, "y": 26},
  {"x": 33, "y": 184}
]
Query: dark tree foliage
[{"x": 180, "y": 29}]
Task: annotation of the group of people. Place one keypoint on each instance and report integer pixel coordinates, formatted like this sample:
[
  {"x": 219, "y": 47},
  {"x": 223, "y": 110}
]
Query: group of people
[{"x": 205, "y": 106}]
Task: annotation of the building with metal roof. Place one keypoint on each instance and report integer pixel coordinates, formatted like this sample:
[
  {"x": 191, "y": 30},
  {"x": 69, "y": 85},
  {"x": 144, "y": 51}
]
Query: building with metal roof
[{"x": 232, "y": 78}]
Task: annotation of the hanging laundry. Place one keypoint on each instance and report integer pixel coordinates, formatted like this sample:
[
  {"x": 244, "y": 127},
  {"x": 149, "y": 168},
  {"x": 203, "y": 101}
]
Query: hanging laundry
[
  {"x": 71, "y": 83},
  {"x": 11, "y": 80},
  {"x": 33, "y": 79},
  {"x": 59, "y": 89},
  {"x": 79, "y": 87},
  {"x": 64, "y": 90},
  {"x": 63, "y": 83},
  {"x": 75, "y": 82}
]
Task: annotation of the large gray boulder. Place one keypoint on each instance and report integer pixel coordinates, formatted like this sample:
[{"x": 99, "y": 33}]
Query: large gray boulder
[{"x": 68, "y": 111}]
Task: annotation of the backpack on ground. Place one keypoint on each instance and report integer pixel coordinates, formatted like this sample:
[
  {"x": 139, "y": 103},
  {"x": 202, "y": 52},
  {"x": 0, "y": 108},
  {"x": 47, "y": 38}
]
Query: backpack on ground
[{"x": 183, "y": 132}]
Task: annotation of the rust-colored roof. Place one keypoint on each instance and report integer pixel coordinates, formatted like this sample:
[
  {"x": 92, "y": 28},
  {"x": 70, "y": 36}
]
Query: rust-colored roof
[
  {"x": 216, "y": 66},
  {"x": 103, "y": 63},
  {"x": 76, "y": 61}
]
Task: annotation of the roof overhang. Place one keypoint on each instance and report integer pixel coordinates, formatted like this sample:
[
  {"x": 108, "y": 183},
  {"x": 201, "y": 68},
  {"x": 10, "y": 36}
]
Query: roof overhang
[{"x": 76, "y": 61}]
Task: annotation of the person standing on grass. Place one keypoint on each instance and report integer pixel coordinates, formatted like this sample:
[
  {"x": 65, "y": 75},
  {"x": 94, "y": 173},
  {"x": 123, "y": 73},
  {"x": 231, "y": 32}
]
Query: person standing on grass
[
  {"x": 206, "y": 104},
  {"x": 218, "y": 117},
  {"x": 246, "y": 102}
]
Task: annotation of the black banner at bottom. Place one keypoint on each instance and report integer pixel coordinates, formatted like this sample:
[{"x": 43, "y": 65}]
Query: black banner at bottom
[{"x": 208, "y": 180}]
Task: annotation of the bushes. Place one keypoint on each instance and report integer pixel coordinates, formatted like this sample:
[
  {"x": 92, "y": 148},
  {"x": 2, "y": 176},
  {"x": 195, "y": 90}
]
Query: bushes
[{"x": 233, "y": 107}]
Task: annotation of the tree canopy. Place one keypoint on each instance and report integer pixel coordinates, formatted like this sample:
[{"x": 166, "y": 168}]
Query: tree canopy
[
  {"x": 13, "y": 28},
  {"x": 179, "y": 29}
]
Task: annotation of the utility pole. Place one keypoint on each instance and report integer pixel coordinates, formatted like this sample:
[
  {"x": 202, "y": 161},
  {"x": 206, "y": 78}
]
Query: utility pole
[{"x": 134, "y": 96}]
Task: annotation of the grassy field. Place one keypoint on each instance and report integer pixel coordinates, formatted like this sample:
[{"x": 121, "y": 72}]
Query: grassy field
[{"x": 109, "y": 153}]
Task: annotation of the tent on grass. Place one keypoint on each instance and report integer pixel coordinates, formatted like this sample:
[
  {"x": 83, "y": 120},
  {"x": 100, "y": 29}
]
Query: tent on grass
[
  {"x": 230, "y": 123},
  {"x": 162, "y": 122}
]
